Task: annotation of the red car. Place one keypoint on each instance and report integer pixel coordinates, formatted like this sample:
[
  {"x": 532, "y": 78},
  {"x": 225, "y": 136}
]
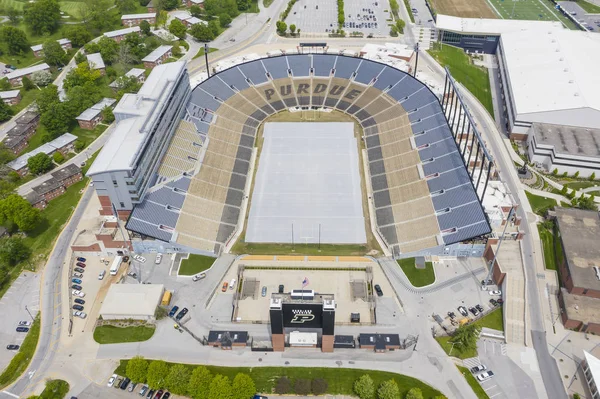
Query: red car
[
  {"x": 158, "y": 394},
  {"x": 80, "y": 264}
]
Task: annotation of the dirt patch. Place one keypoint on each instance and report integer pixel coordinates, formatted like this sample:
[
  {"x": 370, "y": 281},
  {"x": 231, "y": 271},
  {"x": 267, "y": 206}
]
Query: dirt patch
[{"x": 464, "y": 8}]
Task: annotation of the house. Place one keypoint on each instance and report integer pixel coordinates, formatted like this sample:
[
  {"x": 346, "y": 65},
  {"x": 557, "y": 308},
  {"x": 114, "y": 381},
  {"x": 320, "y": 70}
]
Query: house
[
  {"x": 16, "y": 77},
  {"x": 151, "y": 6},
  {"x": 36, "y": 200},
  {"x": 157, "y": 57},
  {"x": 15, "y": 144},
  {"x": 38, "y": 50},
  {"x": 68, "y": 175},
  {"x": 17, "y": 137},
  {"x": 49, "y": 189},
  {"x": 136, "y": 19},
  {"x": 227, "y": 339},
  {"x": 118, "y": 35},
  {"x": 95, "y": 61},
  {"x": 193, "y": 21},
  {"x": 11, "y": 97},
  {"x": 90, "y": 118},
  {"x": 199, "y": 3},
  {"x": 138, "y": 73},
  {"x": 62, "y": 144},
  {"x": 30, "y": 117}
]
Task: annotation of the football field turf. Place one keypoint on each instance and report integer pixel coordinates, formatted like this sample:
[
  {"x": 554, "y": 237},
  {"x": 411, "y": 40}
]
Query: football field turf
[{"x": 532, "y": 10}]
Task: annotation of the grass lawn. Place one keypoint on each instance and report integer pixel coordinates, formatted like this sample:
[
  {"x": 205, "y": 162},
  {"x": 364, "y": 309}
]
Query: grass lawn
[
  {"x": 27, "y": 97},
  {"x": 201, "y": 51},
  {"x": 195, "y": 264},
  {"x": 115, "y": 335},
  {"x": 417, "y": 277},
  {"x": 472, "y": 381},
  {"x": 19, "y": 363},
  {"x": 474, "y": 78},
  {"x": 547, "y": 238},
  {"x": 55, "y": 389},
  {"x": 340, "y": 380},
  {"x": 241, "y": 247},
  {"x": 590, "y": 8},
  {"x": 576, "y": 185},
  {"x": 539, "y": 204},
  {"x": 492, "y": 320},
  {"x": 267, "y": 3},
  {"x": 446, "y": 344},
  {"x": 533, "y": 10}
]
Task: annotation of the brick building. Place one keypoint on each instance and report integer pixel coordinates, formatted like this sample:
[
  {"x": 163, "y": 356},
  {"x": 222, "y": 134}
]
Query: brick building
[
  {"x": 92, "y": 116},
  {"x": 95, "y": 61},
  {"x": 36, "y": 200},
  {"x": 38, "y": 50},
  {"x": 62, "y": 144},
  {"x": 136, "y": 19},
  {"x": 118, "y": 35},
  {"x": 158, "y": 56},
  {"x": 49, "y": 189},
  {"x": 151, "y": 6},
  {"x": 16, "y": 77},
  {"x": 11, "y": 97},
  {"x": 29, "y": 118},
  {"x": 227, "y": 339},
  {"x": 379, "y": 342},
  {"x": 17, "y": 138},
  {"x": 199, "y": 3},
  {"x": 15, "y": 144},
  {"x": 68, "y": 175}
]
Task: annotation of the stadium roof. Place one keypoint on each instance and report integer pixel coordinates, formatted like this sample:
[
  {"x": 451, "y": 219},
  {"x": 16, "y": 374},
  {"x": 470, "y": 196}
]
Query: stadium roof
[
  {"x": 553, "y": 76},
  {"x": 122, "y": 32},
  {"x": 490, "y": 26},
  {"x": 133, "y": 113}
]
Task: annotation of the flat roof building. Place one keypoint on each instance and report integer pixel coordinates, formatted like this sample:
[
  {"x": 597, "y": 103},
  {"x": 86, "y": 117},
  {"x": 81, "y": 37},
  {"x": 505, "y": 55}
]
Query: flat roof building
[
  {"x": 157, "y": 56},
  {"x": 120, "y": 34},
  {"x": 17, "y": 76},
  {"x": 95, "y": 61},
  {"x": 591, "y": 371},
  {"x": 10, "y": 97},
  {"x": 131, "y": 301}
]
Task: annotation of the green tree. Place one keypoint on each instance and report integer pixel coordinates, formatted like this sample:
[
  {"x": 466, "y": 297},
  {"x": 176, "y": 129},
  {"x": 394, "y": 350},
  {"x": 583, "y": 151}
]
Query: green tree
[
  {"x": 107, "y": 115},
  {"x": 78, "y": 35},
  {"x": 243, "y": 386},
  {"x": 80, "y": 75},
  {"x": 54, "y": 53},
  {"x": 576, "y": 174},
  {"x": 41, "y": 78},
  {"x": 58, "y": 157},
  {"x": 196, "y": 11},
  {"x": 79, "y": 145},
  {"x": 108, "y": 49},
  {"x": 42, "y": 16},
  {"x": 281, "y": 27},
  {"x": 388, "y": 390},
  {"x": 214, "y": 27},
  {"x": 414, "y": 393},
  {"x": 177, "y": 28},
  {"x": 13, "y": 250},
  {"x": 555, "y": 172},
  {"x": 593, "y": 176},
  {"x": 564, "y": 190},
  {"x": 98, "y": 15},
  {"x": 199, "y": 383},
  {"x": 400, "y": 24},
  {"x": 6, "y": 112},
  {"x": 319, "y": 386},
  {"x": 126, "y": 6},
  {"x": 27, "y": 83},
  {"x": 137, "y": 369},
  {"x": 79, "y": 98},
  {"x": 145, "y": 28},
  {"x": 157, "y": 371},
  {"x": 5, "y": 84},
  {"x": 216, "y": 7},
  {"x": 176, "y": 50},
  {"x": 39, "y": 163},
  {"x": 364, "y": 387},
  {"x": 224, "y": 19},
  {"x": 161, "y": 19},
  {"x": 56, "y": 119},
  {"x": 15, "y": 209},
  {"x": 201, "y": 33},
  {"x": 14, "y": 15},
  {"x": 292, "y": 29},
  {"x": 220, "y": 388},
  {"x": 168, "y": 4},
  {"x": 465, "y": 337},
  {"x": 48, "y": 95},
  {"x": 586, "y": 203},
  {"x": 15, "y": 39},
  {"x": 394, "y": 31},
  {"x": 178, "y": 379}
]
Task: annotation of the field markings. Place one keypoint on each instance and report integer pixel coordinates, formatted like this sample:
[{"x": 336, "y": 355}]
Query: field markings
[{"x": 495, "y": 9}]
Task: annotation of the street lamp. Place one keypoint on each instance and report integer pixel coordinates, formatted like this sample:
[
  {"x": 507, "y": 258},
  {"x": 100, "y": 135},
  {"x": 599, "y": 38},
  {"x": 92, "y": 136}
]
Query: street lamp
[{"x": 30, "y": 315}]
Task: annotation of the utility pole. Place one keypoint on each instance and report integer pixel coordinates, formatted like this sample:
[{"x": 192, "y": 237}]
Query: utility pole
[
  {"x": 206, "y": 58},
  {"x": 30, "y": 315},
  {"x": 416, "y": 59}
]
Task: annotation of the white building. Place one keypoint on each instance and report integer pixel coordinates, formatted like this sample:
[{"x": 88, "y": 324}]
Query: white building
[
  {"x": 591, "y": 371},
  {"x": 95, "y": 61},
  {"x": 131, "y": 301}
]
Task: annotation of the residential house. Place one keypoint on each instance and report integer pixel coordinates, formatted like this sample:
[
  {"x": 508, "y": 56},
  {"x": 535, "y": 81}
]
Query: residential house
[
  {"x": 136, "y": 19},
  {"x": 16, "y": 77},
  {"x": 36, "y": 200},
  {"x": 11, "y": 97},
  {"x": 49, "y": 189},
  {"x": 118, "y": 35},
  {"x": 90, "y": 118},
  {"x": 95, "y": 61},
  {"x": 38, "y": 50},
  {"x": 199, "y": 3},
  {"x": 158, "y": 56},
  {"x": 68, "y": 175},
  {"x": 62, "y": 144}
]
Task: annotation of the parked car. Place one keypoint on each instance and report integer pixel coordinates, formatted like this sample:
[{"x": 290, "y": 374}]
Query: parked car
[
  {"x": 224, "y": 287},
  {"x": 150, "y": 393},
  {"x": 143, "y": 390},
  {"x": 79, "y": 314},
  {"x": 77, "y": 287},
  {"x": 451, "y": 315},
  {"x": 124, "y": 384},
  {"x": 77, "y": 307},
  {"x": 22, "y": 329},
  {"x": 259, "y": 397},
  {"x": 78, "y": 293},
  {"x": 25, "y": 323},
  {"x": 479, "y": 308},
  {"x": 493, "y": 302},
  {"x": 473, "y": 311},
  {"x": 378, "y": 290},
  {"x": 12, "y": 347},
  {"x": 111, "y": 380},
  {"x": 500, "y": 301},
  {"x": 280, "y": 288},
  {"x": 478, "y": 369},
  {"x": 80, "y": 259},
  {"x": 101, "y": 275},
  {"x": 76, "y": 281},
  {"x": 264, "y": 291},
  {"x": 132, "y": 386},
  {"x": 486, "y": 375},
  {"x": 79, "y": 301},
  {"x": 487, "y": 282},
  {"x": 463, "y": 311},
  {"x": 182, "y": 313},
  {"x": 80, "y": 264},
  {"x": 118, "y": 382},
  {"x": 174, "y": 310},
  {"x": 167, "y": 395},
  {"x": 139, "y": 258},
  {"x": 79, "y": 270},
  {"x": 199, "y": 276},
  {"x": 158, "y": 258},
  {"x": 495, "y": 293},
  {"x": 78, "y": 275},
  {"x": 158, "y": 394}
]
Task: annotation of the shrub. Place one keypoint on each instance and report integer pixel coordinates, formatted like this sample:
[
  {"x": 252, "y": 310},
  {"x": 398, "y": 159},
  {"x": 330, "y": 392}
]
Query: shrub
[
  {"x": 58, "y": 157},
  {"x": 28, "y": 84},
  {"x": 555, "y": 172},
  {"x": 287, "y": 10},
  {"x": 302, "y": 386},
  {"x": 576, "y": 174},
  {"x": 593, "y": 176},
  {"x": 319, "y": 386},
  {"x": 283, "y": 386}
]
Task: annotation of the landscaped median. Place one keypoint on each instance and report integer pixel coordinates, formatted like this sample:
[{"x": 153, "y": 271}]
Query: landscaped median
[
  {"x": 55, "y": 389},
  {"x": 417, "y": 277},
  {"x": 195, "y": 264},
  {"x": 477, "y": 388},
  {"x": 115, "y": 335},
  {"x": 19, "y": 363}
]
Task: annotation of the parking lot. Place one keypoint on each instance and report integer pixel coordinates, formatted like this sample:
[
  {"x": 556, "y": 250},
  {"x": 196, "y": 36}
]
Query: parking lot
[
  {"x": 590, "y": 21},
  {"x": 308, "y": 18},
  {"x": 24, "y": 292}
]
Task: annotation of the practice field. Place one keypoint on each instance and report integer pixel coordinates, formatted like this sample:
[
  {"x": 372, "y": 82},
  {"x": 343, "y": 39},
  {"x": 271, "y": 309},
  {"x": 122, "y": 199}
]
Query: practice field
[
  {"x": 464, "y": 8},
  {"x": 308, "y": 185},
  {"x": 532, "y": 10}
]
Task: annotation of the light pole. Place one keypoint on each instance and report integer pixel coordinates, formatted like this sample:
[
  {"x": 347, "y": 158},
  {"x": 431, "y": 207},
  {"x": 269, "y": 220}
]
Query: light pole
[
  {"x": 206, "y": 58},
  {"x": 30, "y": 315},
  {"x": 416, "y": 59}
]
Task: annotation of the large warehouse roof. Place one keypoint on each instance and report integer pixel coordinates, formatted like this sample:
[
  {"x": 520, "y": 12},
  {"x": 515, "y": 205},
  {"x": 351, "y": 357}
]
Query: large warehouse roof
[
  {"x": 490, "y": 26},
  {"x": 132, "y": 300},
  {"x": 553, "y": 76}
]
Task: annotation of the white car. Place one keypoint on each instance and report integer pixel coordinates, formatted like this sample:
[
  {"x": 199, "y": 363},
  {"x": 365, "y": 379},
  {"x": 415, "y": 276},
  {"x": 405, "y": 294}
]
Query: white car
[
  {"x": 111, "y": 380},
  {"x": 495, "y": 293},
  {"x": 139, "y": 258},
  {"x": 78, "y": 275},
  {"x": 158, "y": 258},
  {"x": 24, "y": 323},
  {"x": 78, "y": 293},
  {"x": 485, "y": 376},
  {"x": 101, "y": 274},
  {"x": 78, "y": 313}
]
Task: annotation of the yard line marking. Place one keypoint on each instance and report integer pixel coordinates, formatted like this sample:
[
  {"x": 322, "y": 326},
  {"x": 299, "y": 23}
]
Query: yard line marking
[
  {"x": 496, "y": 394},
  {"x": 487, "y": 389}
]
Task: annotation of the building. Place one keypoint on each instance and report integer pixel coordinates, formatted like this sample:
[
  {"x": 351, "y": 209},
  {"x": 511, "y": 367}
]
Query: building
[
  {"x": 17, "y": 137},
  {"x": 96, "y": 62},
  {"x": 16, "y": 77},
  {"x": 379, "y": 342},
  {"x": 591, "y": 370},
  {"x": 164, "y": 35},
  {"x": 68, "y": 175},
  {"x": 145, "y": 123},
  {"x": 62, "y": 144},
  {"x": 92, "y": 116},
  {"x": 38, "y": 50},
  {"x": 11, "y": 97},
  {"x": 131, "y": 301},
  {"x": 136, "y": 19},
  {"x": 568, "y": 149},
  {"x": 193, "y": 21},
  {"x": 30, "y": 118},
  {"x": 199, "y": 3},
  {"x": 35, "y": 200},
  {"x": 138, "y": 73},
  {"x": 49, "y": 189},
  {"x": 118, "y": 35},
  {"x": 15, "y": 144},
  {"x": 157, "y": 57},
  {"x": 151, "y": 6},
  {"x": 227, "y": 339}
]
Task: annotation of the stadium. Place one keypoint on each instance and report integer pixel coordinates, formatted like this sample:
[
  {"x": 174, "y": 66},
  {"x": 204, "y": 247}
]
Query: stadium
[{"x": 199, "y": 192}]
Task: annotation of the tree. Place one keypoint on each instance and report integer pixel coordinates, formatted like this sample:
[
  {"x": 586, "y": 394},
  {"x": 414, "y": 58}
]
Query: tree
[
  {"x": 587, "y": 203},
  {"x": 414, "y": 393},
  {"x": 564, "y": 190},
  {"x": 58, "y": 157},
  {"x": 319, "y": 386},
  {"x": 6, "y": 112},
  {"x": 281, "y": 27},
  {"x": 42, "y": 16},
  {"x": 14, "y": 15},
  {"x": 137, "y": 369},
  {"x": 388, "y": 390},
  {"x": 161, "y": 18},
  {"x": 126, "y": 6},
  {"x": 39, "y": 163},
  {"x": 41, "y": 78},
  {"x": 576, "y": 174},
  {"x": 108, "y": 49},
  {"x": 400, "y": 24},
  {"x": 220, "y": 388},
  {"x": 555, "y": 172},
  {"x": 243, "y": 386},
  {"x": 196, "y": 11},
  {"x": 27, "y": 83},
  {"x": 56, "y": 119},
  {"x": 394, "y": 31},
  {"x": 13, "y": 250},
  {"x": 365, "y": 387},
  {"x": 5, "y": 84},
  {"x": 99, "y": 15},
  {"x": 157, "y": 370},
  {"x": 199, "y": 383},
  {"x": 177, "y": 28},
  {"x": 465, "y": 337},
  {"x": 78, "y": 35},
  {"x": 302, "y": 386},
  {"x": 593, "y": 176},
  {"x": 79, "y": 98},
  {"x": 177, "y": 380},
  {"x": 224, "y": 19},
  {"x": 216, "y": 7},
  {"x": 48, "y": 95},
  {"x": 176, "y": 50},
  {"x": 107, "y": 115},
  {"x": 283, "y": 386},
  {"x": 79, "y": 145},
  {"x": 145, "y": 28},
  {"x": 201, "y": 33},
  {"x": 15, "y": 39},
  {"x": 214, "y": 27},
  {"x": 54, "y": 53},
  {"x": 15, "y": 209},
  {"x": 80, "y": 75},
  {"x": 168, "y": 4},
  {"x": 293, "y": 28}
]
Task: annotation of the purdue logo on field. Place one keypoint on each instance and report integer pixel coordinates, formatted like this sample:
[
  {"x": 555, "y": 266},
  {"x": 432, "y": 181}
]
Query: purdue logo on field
[{"x": 302, "y": 316}]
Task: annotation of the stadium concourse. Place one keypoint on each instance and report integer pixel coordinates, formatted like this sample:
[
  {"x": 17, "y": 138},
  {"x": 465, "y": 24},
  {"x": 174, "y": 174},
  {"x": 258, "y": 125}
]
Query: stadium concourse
[{"x": 422, "y": 194}]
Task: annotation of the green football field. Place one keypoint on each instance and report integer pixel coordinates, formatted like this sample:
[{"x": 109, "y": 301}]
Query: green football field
[{"x": 533, "y": 10}]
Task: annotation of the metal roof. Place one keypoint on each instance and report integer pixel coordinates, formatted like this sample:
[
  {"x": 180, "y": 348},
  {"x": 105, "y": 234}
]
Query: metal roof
[
  {"x": 157, "y": 53},
  {"x": 95, "y": 60},
  {"x": 139, "y": 16},
  {"x": 26, "y": 71},
  {"x": 122, "y": 32},
  {"x": 9, "y": 94}
]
